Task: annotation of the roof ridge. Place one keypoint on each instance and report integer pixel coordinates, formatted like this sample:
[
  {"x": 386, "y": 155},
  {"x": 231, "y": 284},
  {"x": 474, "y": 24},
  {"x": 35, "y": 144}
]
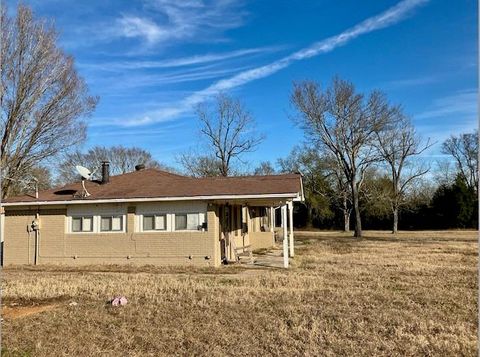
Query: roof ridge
[
  {"x": 148, "y": 169},
  {"x": 251, "y": 176}
]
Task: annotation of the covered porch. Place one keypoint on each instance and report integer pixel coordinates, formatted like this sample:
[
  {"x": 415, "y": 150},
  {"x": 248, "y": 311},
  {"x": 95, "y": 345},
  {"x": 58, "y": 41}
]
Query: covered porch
[{"x": 249, "y": 225}]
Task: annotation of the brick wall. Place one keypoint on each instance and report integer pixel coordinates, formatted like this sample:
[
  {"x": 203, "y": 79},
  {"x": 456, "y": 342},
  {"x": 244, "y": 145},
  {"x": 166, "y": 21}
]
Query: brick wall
[
  {"x": 260, "y": 240},
  {"x": 56, "y": 245},
  {"x": 19, "y": 244}
]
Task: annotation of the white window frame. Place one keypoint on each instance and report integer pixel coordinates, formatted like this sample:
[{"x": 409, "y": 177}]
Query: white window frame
[
  {"x": 70, "y": 224},
  {"x": 154, "y": 215},
  {"x": 96, "y": 224},
  {"x": 122, "y": 217},
  {"x": 200, "y": 221}
]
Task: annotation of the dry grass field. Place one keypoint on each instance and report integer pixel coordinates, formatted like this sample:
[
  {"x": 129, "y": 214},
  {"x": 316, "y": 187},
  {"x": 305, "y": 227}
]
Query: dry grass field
[{"x": 413, "y": 294}]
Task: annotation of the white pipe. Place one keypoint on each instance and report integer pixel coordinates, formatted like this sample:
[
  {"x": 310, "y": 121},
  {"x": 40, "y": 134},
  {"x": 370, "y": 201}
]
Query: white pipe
[{"x": 37, "y": 237}]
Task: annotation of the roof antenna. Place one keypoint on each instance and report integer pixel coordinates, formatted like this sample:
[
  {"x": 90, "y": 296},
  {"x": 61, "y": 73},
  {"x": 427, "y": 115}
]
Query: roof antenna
[{"x": 86, "y": 175}]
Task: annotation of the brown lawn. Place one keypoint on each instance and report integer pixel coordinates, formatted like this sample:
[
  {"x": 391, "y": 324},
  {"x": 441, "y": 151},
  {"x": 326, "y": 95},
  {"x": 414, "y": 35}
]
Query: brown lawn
[{"x": 413, "y": 294}]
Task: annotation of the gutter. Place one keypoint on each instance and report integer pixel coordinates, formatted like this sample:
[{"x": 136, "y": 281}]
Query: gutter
[{"x": 295, "y": 196}]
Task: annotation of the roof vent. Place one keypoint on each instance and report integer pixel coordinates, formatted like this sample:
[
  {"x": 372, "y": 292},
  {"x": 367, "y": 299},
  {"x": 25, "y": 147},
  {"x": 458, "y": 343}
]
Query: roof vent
[
  {"x": 139, "y": 167},
  {"x": 105, "y": 172}
]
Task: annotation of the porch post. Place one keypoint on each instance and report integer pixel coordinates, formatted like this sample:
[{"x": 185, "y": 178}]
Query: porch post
[
  {"x": 272, "y": 224},
  {"x": 272, "y": 219},
  {"x": 290, "y": 222},
  {"x": 285, "y": 236},
  {"x": 246, "y": 218}
]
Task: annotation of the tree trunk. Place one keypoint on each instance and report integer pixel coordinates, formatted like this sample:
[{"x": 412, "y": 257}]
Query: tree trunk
[
  {"x": 356, "y": 209},
  {"x": 6, "y": 188},
  {"x": 346, "y": 220},
  {"x": 309, "y": 222},
  {"x": 346, "y": 215},
  {"x": 395, "y": 220}
]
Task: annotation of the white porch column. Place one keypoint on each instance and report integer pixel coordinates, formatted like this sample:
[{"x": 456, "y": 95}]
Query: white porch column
[
  {"x": 290, "y": 223},
  {"x": 272, "y": 224},
  {"x": 272, "y": 219},
  {"x": 285, "y": 236}
]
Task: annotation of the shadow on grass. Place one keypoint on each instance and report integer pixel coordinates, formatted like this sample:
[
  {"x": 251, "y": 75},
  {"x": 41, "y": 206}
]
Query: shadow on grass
[
  {"x": 414, "y": 238},
  {"x": 113, "y": 268}
]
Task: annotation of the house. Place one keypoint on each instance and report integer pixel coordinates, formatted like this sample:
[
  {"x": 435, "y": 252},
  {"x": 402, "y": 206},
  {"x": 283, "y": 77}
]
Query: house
[{"x": 149, "y": 216}]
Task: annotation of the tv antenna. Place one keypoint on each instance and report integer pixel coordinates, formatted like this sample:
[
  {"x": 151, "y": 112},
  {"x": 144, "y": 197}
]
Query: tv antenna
[{"x": 86, "y": 174}]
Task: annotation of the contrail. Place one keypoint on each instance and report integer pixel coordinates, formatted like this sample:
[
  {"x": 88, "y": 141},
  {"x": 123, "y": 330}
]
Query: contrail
[{"x": 387, "y": 18}]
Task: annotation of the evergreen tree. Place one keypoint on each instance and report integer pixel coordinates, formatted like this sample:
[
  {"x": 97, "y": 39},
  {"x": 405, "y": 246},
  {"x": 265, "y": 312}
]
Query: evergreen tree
[{"x": 455, "y": 205}]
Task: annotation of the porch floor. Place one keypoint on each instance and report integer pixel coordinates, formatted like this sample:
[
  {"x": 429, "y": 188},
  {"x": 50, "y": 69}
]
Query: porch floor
[{"x": 272, "y": 258}]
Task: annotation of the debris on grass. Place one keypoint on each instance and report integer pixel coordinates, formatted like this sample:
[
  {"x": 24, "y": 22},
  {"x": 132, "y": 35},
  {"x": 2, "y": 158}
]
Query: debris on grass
[{"x": 118, "y": 301}]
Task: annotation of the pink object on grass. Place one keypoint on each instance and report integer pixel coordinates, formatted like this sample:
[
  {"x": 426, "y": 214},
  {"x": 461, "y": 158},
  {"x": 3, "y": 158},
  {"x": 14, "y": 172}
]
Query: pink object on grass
[{"x": 119, "y": 301}]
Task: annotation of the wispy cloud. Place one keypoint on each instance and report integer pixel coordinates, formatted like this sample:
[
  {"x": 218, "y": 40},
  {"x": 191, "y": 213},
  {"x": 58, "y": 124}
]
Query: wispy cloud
[
  {"x": 175, "y": 20},
  {"x": 129, "y": 81},
  {"x": 164, "y": 132},
  {"x": 411, "y": 82},
  {"x": 449, "y": 115},
  {"x": 178, "y": 62},
  {"x": 389, "y": 17},
  {"x": 133, "y": 26},
  {"x": 459, "y": 106}
]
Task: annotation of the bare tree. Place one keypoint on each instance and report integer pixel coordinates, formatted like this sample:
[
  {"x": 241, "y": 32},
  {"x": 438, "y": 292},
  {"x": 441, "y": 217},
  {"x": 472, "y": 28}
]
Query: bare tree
[
  {"x": 312, "y": 167},
  {"x": 122, "y": 160},
  {"x": 464, "y": 149},
  {"x": 38, "y": 178},
  {"x": 229, "y": 130},
  {"x": 343, "y": 122},
  {"x": 322, "y": 177},
  {"x": 42, "y": 98},
  {"x": 444, "y": 171},
  {"x": 398, "y": 144},
  {"x": 198, "y": 165},
  {"x": 265, "y": 168},
  {"x": 342, "y": 191}
]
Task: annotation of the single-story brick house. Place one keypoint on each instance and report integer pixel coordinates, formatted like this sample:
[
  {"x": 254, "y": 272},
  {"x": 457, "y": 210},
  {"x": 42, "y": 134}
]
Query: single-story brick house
[{"x": 148, "y": 216}]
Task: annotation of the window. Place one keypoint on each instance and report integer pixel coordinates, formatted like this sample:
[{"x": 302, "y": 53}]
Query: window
[
  {"x": 111, "y": 223},
  {"x": 189, "y": 221},
  {"x": 180, "y": 222},
  {"x": 154, "y": 222},
  {"x": 82, "y": 224}
]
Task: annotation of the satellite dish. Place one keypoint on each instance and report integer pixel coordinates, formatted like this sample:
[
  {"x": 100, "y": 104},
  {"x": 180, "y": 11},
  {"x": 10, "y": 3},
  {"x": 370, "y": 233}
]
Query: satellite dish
[
  {"x": 84, "y": 172},
  {"x": 86, "y": 175}
]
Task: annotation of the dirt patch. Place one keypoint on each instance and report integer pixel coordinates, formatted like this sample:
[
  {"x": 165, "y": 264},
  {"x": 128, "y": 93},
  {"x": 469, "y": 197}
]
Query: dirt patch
[{"x": 16, "y": 312}]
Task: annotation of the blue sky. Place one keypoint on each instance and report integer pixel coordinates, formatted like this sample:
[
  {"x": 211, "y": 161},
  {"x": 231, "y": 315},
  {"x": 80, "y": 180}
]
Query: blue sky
[{"x": 151, "y": 61}]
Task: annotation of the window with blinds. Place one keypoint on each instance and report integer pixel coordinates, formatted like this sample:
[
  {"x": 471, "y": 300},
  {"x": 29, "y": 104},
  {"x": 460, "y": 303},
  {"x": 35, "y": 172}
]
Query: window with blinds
[
  {"x": 111, "y": 223},
  {"x": 82, "y": 224},
  {"x": 155, "y": 222}
]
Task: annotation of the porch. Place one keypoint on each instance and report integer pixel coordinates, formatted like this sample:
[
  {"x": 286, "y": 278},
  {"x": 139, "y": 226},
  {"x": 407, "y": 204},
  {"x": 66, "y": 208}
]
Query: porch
[{"x": 247, "y": 226}]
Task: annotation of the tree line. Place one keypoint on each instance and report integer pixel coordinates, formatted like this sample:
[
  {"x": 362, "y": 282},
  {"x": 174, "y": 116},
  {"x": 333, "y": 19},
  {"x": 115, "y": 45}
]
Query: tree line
[{"x": 361, "y": 158}]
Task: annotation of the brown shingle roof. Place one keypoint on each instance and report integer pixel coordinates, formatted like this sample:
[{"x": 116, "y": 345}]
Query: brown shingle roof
[{"x": 153, "y": 183}]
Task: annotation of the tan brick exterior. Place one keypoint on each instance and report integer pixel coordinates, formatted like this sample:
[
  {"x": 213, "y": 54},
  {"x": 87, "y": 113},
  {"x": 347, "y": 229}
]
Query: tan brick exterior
[
  {"x": 132, "y": 247},
  {"x": 18, "y": 245},
  {"x": 56, "y": 245},
  {"x": 260, "y": 240}
]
